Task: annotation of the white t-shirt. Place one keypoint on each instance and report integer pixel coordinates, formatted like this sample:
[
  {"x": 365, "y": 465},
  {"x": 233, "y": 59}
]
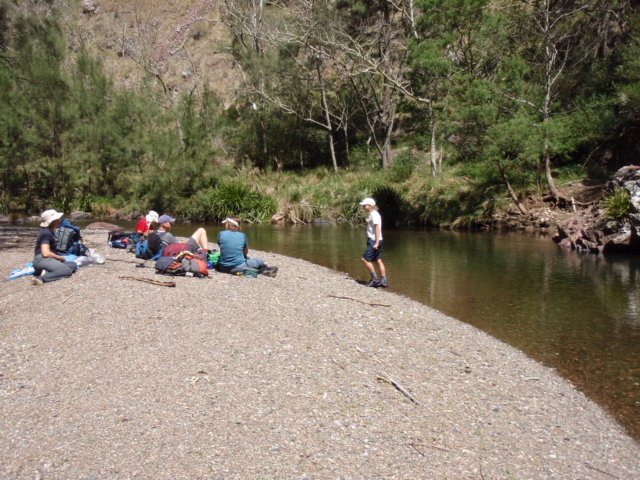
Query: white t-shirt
[{"x": 373, "y": 220}]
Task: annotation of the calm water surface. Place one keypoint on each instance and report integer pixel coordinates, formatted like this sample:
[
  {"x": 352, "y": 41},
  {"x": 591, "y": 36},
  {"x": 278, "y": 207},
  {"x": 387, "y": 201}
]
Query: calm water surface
[{"x": 576, "y": 313}]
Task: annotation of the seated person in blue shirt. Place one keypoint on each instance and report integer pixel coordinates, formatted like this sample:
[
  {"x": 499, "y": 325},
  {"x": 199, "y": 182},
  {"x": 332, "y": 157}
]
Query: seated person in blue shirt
[
  {"x": 45, "y": 258},
  {"x": 234, "y": 251}
]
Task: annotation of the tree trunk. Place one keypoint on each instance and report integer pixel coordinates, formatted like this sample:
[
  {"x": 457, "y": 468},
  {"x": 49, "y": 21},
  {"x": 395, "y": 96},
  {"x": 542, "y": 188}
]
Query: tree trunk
[
  {"x": 512, "y": 192},
  {"x": 387, "y": 116},
  {"x": 325, "y": 107},
  {"x": 433, "y": 153},
  {"x": 387, "y": 153}
]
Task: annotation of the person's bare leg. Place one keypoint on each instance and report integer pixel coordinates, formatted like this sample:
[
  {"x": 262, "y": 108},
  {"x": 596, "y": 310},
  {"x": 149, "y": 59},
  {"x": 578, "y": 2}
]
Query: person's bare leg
[
  {"x": 369, "y": 266},
  {"x": 200, "y": 236},
  {"x": 383, "y": 272}
]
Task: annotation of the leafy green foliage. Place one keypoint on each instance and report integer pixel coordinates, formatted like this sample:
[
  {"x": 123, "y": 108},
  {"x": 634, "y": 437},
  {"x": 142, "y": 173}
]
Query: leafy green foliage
[
  {"x": 618, "y": 204},
  {"x": 476, "y": 71},
  {"x": 227, "y": 199}
]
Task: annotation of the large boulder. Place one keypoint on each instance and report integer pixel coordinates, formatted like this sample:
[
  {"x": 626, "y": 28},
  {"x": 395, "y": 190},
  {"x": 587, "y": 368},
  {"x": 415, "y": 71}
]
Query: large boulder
[{"x": 103, "y": 226}]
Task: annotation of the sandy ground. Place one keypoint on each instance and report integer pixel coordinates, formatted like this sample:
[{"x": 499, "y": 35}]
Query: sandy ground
[{"x": 308, "y": 375}]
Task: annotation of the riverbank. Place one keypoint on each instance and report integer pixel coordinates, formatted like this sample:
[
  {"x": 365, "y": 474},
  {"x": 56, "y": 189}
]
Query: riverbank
[{"x": 286, "y": 377}]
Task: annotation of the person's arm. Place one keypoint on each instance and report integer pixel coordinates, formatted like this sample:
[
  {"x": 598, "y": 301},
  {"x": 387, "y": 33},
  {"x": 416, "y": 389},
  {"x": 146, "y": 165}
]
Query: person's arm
[
  {"x": 378, "y": 234},
  {"x": 46, "y": 251}
]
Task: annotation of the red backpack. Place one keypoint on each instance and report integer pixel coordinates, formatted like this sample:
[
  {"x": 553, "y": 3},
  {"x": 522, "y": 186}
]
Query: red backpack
[
  {"x": 174, "y": 249},
  {"x": 195, "y": 264}
]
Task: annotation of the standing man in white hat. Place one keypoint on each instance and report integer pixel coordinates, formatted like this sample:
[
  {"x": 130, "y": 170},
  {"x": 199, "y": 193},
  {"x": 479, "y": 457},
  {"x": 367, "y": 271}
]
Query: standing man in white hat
[
  {"x": 373, "y": 251},
  {"x": 45, "y": 258}
]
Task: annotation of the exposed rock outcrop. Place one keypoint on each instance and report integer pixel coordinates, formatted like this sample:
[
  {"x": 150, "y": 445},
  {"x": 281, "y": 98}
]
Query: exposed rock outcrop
[{"x": 589, "y": 230}]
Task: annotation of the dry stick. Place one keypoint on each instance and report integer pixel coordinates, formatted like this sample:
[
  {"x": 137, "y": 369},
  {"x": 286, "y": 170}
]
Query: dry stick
[
  {"x": 67, "y": 299},
  {"x": 413, "y": 445},
  {"x": 386, "y": 378},
  {"x": 148, "y": 280},
  {"x": 360, "y": 301},
  {"x": 426, "y": 445},
  {"x": 601, "y": 471}
]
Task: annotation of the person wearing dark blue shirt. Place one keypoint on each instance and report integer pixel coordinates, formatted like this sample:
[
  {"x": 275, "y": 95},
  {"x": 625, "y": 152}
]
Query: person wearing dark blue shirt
[{"x": 45, "y": 256}]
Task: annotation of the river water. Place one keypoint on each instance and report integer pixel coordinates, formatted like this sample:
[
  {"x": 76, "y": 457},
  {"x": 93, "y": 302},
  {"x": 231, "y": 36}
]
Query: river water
[{"x": 579, "y": 314}]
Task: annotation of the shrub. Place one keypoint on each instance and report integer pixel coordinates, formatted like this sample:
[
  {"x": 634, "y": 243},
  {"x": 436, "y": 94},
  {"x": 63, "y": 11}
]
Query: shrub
[
  {"x": 233, "y": 198},
  {"x": 402, "y": 168},
  {"x": 618, "y": 205}
]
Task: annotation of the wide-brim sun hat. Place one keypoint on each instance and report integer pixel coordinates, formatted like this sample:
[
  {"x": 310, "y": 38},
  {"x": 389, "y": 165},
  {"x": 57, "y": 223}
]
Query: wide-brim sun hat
[
  {"x": 368, "y": 201},
  {"x": 49, "y": 216}
]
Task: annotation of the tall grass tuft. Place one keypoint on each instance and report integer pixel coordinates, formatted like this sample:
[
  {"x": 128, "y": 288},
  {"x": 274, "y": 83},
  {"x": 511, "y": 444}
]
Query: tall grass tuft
[
  {"x": 232, "y": 198},
  {"x": 618, "y": 205}
]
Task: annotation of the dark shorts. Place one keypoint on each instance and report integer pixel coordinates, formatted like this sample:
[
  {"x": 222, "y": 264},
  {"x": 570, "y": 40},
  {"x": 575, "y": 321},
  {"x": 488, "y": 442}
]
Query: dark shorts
[
  {"x": 193, "y": 244},
  {"x": 370, "y": 254}
]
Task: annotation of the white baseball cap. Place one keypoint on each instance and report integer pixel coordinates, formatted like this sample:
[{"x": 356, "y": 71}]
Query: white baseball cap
[{"x": 368, "y": 201}]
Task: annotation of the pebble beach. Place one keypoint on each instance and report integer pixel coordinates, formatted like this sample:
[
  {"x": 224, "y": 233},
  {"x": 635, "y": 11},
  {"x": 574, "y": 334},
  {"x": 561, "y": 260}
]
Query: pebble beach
[{"x": 308, "y": 375}]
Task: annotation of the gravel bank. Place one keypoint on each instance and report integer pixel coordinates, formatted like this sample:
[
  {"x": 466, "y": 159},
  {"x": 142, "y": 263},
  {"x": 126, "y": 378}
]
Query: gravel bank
[{"x": 274, "y": 378}]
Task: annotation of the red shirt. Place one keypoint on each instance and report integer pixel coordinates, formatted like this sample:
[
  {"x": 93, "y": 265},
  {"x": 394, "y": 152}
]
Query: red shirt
[{"x": 142, "y": 226}]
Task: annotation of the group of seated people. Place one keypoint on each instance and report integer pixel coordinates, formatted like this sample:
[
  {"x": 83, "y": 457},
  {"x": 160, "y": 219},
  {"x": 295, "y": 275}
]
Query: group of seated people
[{"x": 234, "y": 251}]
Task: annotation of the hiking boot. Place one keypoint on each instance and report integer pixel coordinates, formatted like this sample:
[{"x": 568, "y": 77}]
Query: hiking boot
[
  {"x": 269, "y": 271},
  {"x": 37, "y": 281},
  {"x": 374, "y": 282},
  {"x": 383, "y": 283}
]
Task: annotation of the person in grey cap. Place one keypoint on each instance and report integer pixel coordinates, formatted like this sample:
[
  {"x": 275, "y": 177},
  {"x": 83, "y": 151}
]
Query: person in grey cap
[{"x": 163, "y": 236}]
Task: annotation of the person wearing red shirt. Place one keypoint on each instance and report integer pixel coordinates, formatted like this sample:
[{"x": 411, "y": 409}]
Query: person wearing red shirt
[{"x": 142, "y": 227}]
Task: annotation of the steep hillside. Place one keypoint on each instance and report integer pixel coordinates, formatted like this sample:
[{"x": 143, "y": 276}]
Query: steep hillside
[{"x": 181, "y": 43}]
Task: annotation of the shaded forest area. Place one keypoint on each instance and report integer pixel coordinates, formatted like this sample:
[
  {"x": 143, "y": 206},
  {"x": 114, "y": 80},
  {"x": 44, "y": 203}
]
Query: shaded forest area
[{"x": 447, "y": 111}]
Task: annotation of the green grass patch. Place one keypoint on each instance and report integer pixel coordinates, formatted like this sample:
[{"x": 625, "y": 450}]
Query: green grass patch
[{"x": 618, "y": 205}]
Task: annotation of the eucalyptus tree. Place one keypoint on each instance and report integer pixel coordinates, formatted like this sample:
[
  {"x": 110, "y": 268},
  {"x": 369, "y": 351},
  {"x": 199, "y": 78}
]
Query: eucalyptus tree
[
  {"x": 349, "y": 59},
  {"x": 566, "y": 46}
]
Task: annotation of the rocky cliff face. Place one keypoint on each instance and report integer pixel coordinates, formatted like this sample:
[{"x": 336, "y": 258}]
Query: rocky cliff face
[{"x": 181, "y": 44}]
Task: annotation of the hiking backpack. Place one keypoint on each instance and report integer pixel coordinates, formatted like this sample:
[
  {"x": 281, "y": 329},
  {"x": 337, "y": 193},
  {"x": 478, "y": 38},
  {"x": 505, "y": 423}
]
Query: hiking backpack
[
  {"x": 149, "y": 248},
  {"x": 175, "y": 249},
  {"x": 195, "y": 264},
  {"x": 169, "y": 266},
  {"x": 69, "y": 240},
  {"x": 186, "y": 263},
  {"x": 120, "y": 239}
]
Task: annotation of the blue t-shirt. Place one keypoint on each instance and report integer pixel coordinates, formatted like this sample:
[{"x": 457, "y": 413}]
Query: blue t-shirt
[
  {"x": 45, "y": 236},
  {"x": 232, "y": 245}
]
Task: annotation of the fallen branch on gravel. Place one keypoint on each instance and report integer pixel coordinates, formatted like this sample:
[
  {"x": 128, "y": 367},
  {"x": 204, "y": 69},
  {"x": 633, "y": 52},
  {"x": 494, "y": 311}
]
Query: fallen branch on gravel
[
  {"x": 148, "y": 280},
  {"x": 598, "y": 470},
  {"x": 383, "y": 377},
  {"x": 360, "y": 301}
]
